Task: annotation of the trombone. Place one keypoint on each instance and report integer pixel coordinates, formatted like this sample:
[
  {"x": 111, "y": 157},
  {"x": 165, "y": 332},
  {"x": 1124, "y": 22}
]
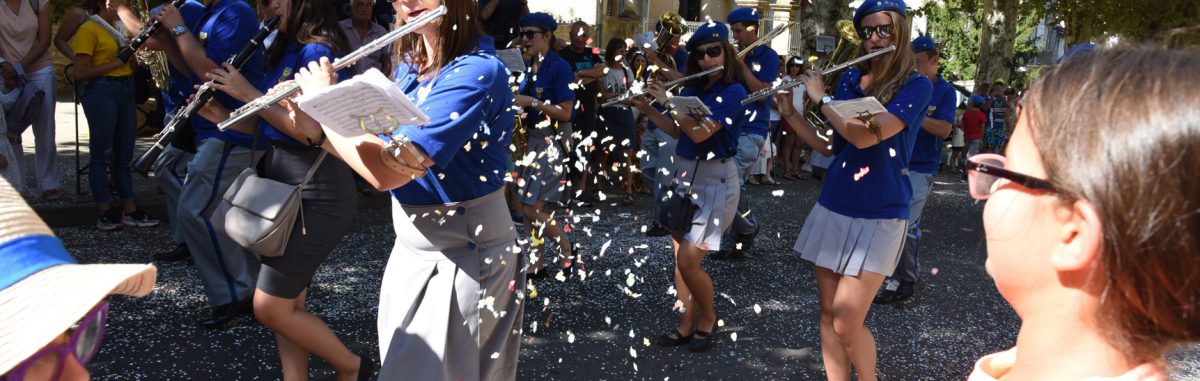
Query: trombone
[
  {"x": 764, "y": 93},
  {"x": 631, "y": 94},
  {"x": 766, "y": 38}
]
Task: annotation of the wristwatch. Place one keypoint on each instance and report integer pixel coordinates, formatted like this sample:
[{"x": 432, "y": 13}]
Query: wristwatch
[
  {"x": 824, "y": 100},
  {"x": 178, "y": 30}
]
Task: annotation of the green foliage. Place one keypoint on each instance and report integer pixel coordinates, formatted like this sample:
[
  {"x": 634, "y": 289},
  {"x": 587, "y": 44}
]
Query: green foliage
[
  {"x": 1135, "y": 21},
  {"x": 955, "y": 26}
]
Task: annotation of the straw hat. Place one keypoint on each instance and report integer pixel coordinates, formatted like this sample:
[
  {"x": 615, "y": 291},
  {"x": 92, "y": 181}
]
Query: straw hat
[{"x": 43, "y": 292}]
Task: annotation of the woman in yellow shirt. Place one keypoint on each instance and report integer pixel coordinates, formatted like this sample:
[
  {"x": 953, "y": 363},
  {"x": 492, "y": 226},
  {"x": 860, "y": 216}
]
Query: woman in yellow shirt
[{"x": 107, "y": 99}]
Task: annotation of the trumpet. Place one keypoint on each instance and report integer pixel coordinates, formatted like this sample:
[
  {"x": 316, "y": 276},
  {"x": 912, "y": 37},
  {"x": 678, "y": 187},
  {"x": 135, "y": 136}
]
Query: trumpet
[
  {"x": 764, "y": 93},
  {"x": 287, "y": 88},
  {"x": 203, "y": 95},
  {"x": 766, "y": 38},
  {"x": 631, "y": 94}
]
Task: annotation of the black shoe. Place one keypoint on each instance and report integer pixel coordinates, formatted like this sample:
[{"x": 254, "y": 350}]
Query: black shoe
[
  {"x": 702, "y": 341},
  {"x": 225, "y": 313},
  {"x": 109, "y": 221},
  {"x": 674, "y": 338},
  {"x": 366, "y": 367},
  {"x": 656, "y": 230},
  {"x": 180, "y": 253},
  {"x": 728, "y": 255},
  {"x": 901, "y": 294}
]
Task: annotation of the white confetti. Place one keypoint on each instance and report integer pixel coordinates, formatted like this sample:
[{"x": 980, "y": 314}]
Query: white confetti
[
  {"x": 633, "y": 352},
  {"x": 892, "y": 151},
  {"x": 495, "y": 355},
  {"x": 757, "y": 309},
  {"x": 454, "y": 115},
  {"x": 777, "y": 193},
  {"x": 733, "y": 336},
  {"x": 570, "y": 337},
  {"x": 630, "y": 280}
]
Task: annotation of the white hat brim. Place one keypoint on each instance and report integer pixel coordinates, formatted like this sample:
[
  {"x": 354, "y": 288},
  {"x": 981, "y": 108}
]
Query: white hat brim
[{"x": 42, "y": 306}]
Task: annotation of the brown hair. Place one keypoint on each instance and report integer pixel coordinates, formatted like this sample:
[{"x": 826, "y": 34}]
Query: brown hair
[
  {"x": 459, "y": 30},
  {"x": 733, "y": 70},
  {"x": 1118, "y": 128},
  {"x": 895, "y": 67}
]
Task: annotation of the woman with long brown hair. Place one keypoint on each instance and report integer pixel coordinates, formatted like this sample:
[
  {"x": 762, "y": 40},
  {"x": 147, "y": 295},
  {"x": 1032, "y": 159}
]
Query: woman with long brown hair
[
  {"x": 1092, "y": 219},
  {"x": 704, "y": 166},
  {"x": 855, "y": 232},
  {"x": 449, "y": 304}
]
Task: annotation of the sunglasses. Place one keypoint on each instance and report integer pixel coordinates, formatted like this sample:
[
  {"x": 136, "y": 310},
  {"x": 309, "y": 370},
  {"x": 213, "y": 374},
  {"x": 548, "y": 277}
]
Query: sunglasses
[
  {"x": 83, "y": 344},
  {"x": 712, "y": 51},
  {"x": 884, "y": 31},
  {"x": 529, "y": 33},
  {"x": 985, "y": 171}
]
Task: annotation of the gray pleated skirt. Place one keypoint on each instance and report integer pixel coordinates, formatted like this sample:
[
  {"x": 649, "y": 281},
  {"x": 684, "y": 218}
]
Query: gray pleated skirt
[
  {"x": 541, "y": 171},
  {"x": 716, "y": 183},
  {"x": 450, "y": 307},
  {"x": 849, "y": 246}
]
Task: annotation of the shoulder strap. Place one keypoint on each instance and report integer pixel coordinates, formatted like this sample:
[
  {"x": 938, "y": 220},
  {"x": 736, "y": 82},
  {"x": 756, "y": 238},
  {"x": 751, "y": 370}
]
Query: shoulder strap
[
  {"x": 316, "y": 164},
  {"x": 36, "y": 7}
]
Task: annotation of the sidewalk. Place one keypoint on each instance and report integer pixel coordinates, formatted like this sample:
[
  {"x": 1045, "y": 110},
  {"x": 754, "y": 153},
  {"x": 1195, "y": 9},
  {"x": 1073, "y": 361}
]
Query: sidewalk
[{"x": 75, "y": 208}]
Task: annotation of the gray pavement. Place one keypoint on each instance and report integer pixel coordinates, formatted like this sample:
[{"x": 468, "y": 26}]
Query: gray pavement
[{"x": 595, "y": 325}]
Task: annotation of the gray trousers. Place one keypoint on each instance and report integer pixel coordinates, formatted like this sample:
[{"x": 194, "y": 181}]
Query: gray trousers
[
  {"x": 907, "y": 270},
  {"x": 170, "y": 170},
  {"x": 227, "y": 270},
  {"x": 748, "y": 150}
]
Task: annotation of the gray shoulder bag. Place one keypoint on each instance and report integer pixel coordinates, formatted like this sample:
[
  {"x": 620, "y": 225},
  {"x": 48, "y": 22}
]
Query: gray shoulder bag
[{"x": 258, "y": 213}]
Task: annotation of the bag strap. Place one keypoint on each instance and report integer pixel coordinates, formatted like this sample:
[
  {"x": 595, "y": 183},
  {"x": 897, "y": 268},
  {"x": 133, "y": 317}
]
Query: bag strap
[{"x": 316, "y": 164}]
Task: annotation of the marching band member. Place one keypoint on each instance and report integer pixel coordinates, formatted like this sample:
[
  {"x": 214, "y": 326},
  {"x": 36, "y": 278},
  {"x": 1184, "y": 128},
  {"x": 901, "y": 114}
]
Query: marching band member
[
  {"x": 547, "y": 99},
  {"x": 855, "y": 232},
  {"x": 433, "y": 322},
  {"x": 307, "y": 32},
  {"x": 704, "y": 167}
]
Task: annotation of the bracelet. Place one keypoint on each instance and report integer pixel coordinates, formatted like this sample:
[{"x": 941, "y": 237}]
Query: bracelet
[
  {"x": 319, "y": 143},
  {"x": 874, "y": 128},
  {"x": 393, "y": 163}
]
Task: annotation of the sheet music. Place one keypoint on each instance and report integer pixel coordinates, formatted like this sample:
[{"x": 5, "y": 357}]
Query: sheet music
[
  {"x": 856, "y": 108},
  {"x": 369, "y": 103},
  {"x": 513, "y": 59},
  {"x": 689, "y": 106}
]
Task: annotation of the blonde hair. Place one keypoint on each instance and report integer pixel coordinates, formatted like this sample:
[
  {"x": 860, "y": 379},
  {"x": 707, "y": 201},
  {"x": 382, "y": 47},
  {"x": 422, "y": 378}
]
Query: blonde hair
[{"x": 894, "y": 68}]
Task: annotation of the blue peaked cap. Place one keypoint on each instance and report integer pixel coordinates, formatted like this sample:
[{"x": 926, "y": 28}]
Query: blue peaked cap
[
  {"x": 540, "y": 20},
  {"x": 711, "y": 31},
  {"x": 872, "y": 6}
]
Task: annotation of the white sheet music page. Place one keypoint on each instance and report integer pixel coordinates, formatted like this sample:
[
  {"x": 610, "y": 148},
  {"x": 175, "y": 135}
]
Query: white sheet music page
[
  {"x": 689, "y": 106},
  {"x": 512, "y": 59},
  {"x": 369, "y": 103},
  {"x": 855, "y": 108}
]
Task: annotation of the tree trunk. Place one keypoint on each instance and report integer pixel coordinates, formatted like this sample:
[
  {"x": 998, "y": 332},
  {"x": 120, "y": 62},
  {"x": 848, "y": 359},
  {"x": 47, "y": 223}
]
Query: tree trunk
[
  {"x": 820, "y": 19},
  {"x": 996, "y": 45}
]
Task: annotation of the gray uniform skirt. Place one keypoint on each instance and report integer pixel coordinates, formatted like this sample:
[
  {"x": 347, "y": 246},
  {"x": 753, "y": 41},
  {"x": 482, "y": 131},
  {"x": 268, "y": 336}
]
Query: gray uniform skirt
[
  {"x": 848, "y": 245},
  {"x": 450, "y": 307},
  {"x": 716, "y": 184},
  {"x": 327, "y": 208},
  {"x": 541, "y": 170}
]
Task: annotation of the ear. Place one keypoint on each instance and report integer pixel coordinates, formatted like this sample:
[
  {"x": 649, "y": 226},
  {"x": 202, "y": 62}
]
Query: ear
[{"x": 1080, "y": 237}]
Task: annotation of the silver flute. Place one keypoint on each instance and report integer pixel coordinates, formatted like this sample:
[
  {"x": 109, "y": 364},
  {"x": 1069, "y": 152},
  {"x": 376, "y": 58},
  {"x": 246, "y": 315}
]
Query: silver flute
[
  {"x": 287, "y": 88},
  {"x": 764, "y": 93},
  {"x": 630, "y": 94}
]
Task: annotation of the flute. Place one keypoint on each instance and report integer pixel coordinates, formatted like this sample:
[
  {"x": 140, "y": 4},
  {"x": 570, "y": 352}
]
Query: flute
[
  {"x": 143, "y": 35},
  {"x": 203, "y": 95},
  {"x": 762, "y": 94},
  {"x": 631, "y": 94},
  {"x": 287, "y": 88}
]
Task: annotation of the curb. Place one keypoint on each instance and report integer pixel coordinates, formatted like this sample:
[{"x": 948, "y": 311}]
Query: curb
[{"x": 85, "y": 214}]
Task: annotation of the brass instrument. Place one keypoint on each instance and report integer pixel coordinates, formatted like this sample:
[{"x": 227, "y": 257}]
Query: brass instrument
[
  {"x": 762, "y": 94},
  {"x": 624, "y": 97},
  {"x": 155, "y": 61},
  {"x": 766, "y": 38},
  {"x": 672, "y": 26}
]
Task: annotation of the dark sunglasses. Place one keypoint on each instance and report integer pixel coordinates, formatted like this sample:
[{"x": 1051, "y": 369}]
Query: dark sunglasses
[
  {"x": 984, "y": 172},
  {"x": 884, "y": 31},
  {"x": 83, "y": 344},
  {"x": 712, "y": 51},
  {"x": 528, "y": 34}
]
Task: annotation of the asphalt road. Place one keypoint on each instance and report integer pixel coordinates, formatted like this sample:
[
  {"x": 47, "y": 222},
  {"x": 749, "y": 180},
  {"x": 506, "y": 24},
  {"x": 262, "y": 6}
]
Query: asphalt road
[{"x": 595, "y": 326}]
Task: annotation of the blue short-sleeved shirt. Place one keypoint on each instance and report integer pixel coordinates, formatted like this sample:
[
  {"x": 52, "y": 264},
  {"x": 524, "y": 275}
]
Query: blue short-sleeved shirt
[
  {"x": 295, "y": 56},
  {"x": 725, "y": 102},
  {"x": 764, "y": 65},
  {"x": 179, "y": 86},
  {"x": 469, "y": 105},
  {"x": 552, "y": 83},
  {"x": 873, "y": 182},
  {"x": 223, "y": 30},
  {"x": 927, "y": 151},
  {"x": 680, "y": 57}
]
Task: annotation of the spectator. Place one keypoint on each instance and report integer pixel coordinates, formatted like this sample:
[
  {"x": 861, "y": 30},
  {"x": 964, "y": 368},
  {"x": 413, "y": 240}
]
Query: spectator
[
  {"x": 972, "y": 123},
  {"x": 789, "y": 146},
  {"x": 957, "y": 143},
  {"x": 588, "y": 68},
  {"x": 360, "y": 30},
  {"x": 619, "y": 135},
  {"x": 55, "y": 309},
  {"x": 107, "y": 100},
  {"x": 10, "y": 163},
  {"x": 25, "y": 48},
  {"x": 1092, "y": 224}
]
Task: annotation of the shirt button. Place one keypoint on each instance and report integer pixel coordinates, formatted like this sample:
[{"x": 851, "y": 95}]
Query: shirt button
[{"x": 471, "y": 245}]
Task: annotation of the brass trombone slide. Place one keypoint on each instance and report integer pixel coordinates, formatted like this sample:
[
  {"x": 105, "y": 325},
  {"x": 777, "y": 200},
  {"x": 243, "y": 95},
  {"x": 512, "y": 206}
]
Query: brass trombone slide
[
  {"x": 630, "y": 94},
  {"x": 764, "y": 93},
  {"x": 766, "y": 38}
]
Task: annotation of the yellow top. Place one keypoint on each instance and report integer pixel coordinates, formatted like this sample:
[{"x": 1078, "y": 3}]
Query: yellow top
[{"x": 91, "y": 39}]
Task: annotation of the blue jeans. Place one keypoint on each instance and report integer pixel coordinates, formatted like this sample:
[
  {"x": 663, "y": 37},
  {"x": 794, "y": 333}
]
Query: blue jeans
[
  {"x": 112, "y": 123},
  {"x": 907, "y": 269}
]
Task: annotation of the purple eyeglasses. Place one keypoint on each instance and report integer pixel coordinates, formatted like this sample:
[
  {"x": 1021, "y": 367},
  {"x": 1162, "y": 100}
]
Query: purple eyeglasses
[
  {"x": 984, "y": 172},
  {"x": 83, "y": 344}
]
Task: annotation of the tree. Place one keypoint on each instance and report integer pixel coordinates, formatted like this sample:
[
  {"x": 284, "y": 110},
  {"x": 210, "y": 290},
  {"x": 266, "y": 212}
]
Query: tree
[
  {"x": 954, "y": 25},
  {"x": 821, "y": 19},
  {"x": 1136, "y": 21},
  {"x": 996, "y": 40}
]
